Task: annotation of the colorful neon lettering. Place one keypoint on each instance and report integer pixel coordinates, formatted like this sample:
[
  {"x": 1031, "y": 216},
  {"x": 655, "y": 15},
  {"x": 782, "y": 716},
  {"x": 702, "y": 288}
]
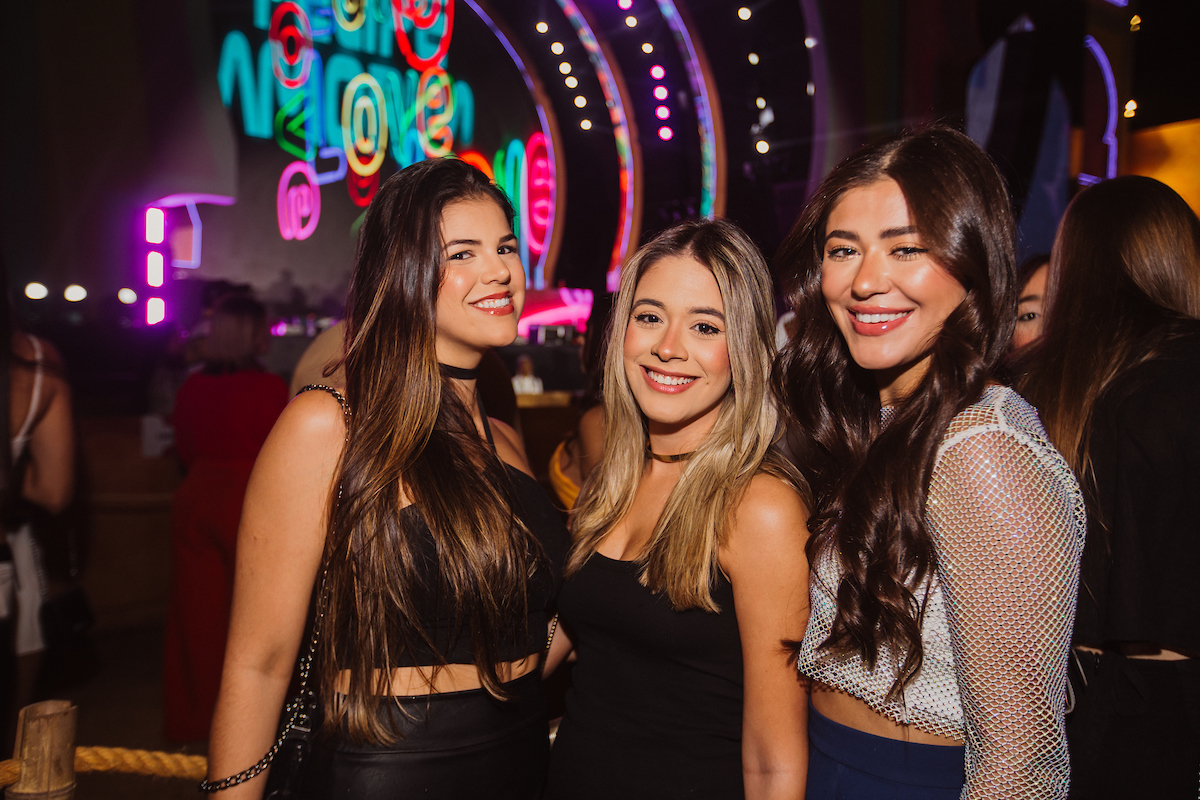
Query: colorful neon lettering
[
  {"x": 423, "y": 21},
  {"x": 294, "y": 203},
  {"x": 361, "y": 189},
  {"x": 540, "y": 191},
  {"x": 350, "y": 14},
  {"x": 364, "y": 125},
  {"x": 290, "y": 44},
  {"x": 434, "y": 129}
]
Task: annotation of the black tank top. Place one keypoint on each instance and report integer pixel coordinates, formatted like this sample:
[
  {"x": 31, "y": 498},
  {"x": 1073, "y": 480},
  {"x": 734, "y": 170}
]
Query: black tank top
[{"x": 655, "y": 709}]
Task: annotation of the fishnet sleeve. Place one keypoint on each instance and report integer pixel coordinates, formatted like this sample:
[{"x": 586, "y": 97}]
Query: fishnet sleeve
[{"x": 1005, "y": 517}]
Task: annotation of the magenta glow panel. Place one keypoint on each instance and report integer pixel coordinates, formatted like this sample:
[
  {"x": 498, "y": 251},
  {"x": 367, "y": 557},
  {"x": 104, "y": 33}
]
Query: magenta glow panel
[
  {"x": 154, "y": 268},
  {"x": 156, "y": 310},
  {"x": 665, "y": 133},
  {"x": 657, "y": 72},
  {"x": 155, "y": 225}
]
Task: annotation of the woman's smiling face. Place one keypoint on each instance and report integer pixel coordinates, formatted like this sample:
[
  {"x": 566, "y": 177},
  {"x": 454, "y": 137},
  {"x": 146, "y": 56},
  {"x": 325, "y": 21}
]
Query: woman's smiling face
[
  {"x": 888, "y": 296},
  {"x": 676, "y": 354}
]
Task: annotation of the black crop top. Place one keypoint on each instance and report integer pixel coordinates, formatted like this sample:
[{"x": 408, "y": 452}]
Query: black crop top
[{"x": 437, "y": 616}]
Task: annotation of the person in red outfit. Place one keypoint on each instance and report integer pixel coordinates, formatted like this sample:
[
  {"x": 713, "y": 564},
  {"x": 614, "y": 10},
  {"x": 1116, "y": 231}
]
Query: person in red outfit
[{"x": 222, "y": 416}]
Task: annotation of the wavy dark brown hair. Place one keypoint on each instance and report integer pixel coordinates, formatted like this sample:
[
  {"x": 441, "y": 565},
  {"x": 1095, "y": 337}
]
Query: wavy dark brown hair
[
  {"x": 870, "y": 484},
  {"x": 1124, "y": 274},
  {"x": 410, "y": 429}
]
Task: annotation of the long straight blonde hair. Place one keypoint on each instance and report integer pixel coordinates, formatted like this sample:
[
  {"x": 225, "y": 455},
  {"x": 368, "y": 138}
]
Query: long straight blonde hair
[{"x": 681, "y": 556}]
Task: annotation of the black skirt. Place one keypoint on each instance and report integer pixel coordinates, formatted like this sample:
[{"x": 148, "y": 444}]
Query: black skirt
[{"x": 456, "y": 745}]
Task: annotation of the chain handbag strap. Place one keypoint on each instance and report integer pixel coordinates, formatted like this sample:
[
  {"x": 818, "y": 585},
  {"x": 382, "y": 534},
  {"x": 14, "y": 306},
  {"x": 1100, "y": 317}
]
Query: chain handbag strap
[{"x": 296, "y": 710}]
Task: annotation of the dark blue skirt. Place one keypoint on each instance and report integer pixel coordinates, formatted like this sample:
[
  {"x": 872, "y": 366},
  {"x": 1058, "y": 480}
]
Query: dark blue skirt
[{"x": 848, "y": 764}]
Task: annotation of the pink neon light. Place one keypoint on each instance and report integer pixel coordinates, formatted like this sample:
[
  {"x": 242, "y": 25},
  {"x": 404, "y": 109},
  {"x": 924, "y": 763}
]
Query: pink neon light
[
  {"x": 155, "y": 225},
  {"x": 665, "y": 133},
  {"x": 660, "y": 93},
  {"x": 662, "y": 112},
  {"x": 624, "y": 5},
  {"x": 555, "y": 307},
  {"x": 657, "y": 72},
  {"x": 294, "y": 203},
  {"x": 154, "y": 268},
  {"x": 156, "y": 310},
  {"x": 540, "y": 191}
]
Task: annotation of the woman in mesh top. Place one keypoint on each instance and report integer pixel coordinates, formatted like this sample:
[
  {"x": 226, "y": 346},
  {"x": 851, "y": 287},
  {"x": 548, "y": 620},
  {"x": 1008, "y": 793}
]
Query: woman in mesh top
[
  {"x": 1117, "y": 379},
  {"x": 946, "y": 530}
]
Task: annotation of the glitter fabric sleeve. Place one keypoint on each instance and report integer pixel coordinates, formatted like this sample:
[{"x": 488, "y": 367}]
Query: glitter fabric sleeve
[{"x": 1007, "y": 521}]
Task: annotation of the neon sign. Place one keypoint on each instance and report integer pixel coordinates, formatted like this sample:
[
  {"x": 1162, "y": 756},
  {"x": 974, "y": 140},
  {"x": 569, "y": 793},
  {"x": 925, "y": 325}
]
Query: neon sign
[{"x": 368, "y": 81}]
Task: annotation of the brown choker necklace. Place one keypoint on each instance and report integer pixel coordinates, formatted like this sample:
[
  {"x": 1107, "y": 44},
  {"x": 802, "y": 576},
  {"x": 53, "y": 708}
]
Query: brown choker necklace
[{"x": 667, "y": 459}]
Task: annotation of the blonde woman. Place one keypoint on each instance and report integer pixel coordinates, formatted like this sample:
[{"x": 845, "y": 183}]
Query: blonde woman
[{"x": 688, "y": 540}]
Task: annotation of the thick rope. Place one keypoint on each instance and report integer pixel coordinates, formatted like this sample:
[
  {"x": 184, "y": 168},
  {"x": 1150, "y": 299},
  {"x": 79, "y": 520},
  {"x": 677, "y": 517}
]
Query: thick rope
[{"x": 121, "y": 759}]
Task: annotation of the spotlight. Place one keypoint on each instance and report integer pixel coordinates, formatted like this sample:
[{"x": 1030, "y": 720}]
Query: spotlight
[
  {"x": 647, "y": 48},
  {"x": 810, "y": 42},
  {"x": 127, "y": 296},
  {"x": 586, "y": 124},
  {"x": 580, "y": 101},
  {"x": 156, "y": 310},
  {"x": 1130, "y": 109},
  {"x": 571, "y": 81},
  {"x": 662, "y": 112},
  {"x": 761, "y": 102},
  {"x": 155, "y": 222},
  {"x": 36, "y": 291},
  {"x": 657, "y": 72},
  {"x": 542, "y": 27},
  {"x": 631, "y": 22},
  {"x": 660, "y": 93},
  {"x": 565, "y": 68},
  {"x": 74, "y": 293},
  {"x": 811, "y": 88},
  {"x": 154, "y": 268},
  {"x": 743, "y": 13},
  {"x": 762, "y": 146},
  {"x": 557, "y": 48},
  {"x": 753, "y": 58},
  {"x": 624, "y": 5},
  {"x": 665, "y": 133}
]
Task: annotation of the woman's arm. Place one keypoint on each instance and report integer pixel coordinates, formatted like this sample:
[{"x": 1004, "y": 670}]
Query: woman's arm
[
  {"x": 280, "y": 541},
  {"x": 1008, "y": 538},
  {"x": 50, "y": 475},
  {"x": 765, "y": 561}
]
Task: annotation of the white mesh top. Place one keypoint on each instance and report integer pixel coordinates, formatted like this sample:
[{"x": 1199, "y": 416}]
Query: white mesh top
[{"x": 1007, "y": 521}]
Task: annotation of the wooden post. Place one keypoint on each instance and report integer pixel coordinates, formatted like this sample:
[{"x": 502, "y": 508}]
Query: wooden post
[{"x": 46, "y": 748}]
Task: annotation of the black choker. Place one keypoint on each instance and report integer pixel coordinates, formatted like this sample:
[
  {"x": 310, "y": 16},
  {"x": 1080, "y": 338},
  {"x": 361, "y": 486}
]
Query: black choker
[
  {"x": 668, "y": 459},
  {"x": 458, "y": 372}
]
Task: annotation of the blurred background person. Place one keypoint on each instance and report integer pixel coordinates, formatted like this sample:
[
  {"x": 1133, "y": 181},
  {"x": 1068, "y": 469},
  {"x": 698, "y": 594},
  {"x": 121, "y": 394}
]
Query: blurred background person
[
  {"x": 579, "y": 453},
  {"x": 525, "y": 381},
  {"x": 222, "y": 416},
  {"x": 1116, "y": 379},
  {"x": 1031, "y": 277},
  {"x": 42, "y": 474}
]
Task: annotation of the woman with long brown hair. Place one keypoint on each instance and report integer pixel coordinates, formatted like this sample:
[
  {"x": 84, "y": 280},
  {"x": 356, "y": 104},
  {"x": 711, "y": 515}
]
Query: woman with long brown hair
[
  {"x": 411, "y": 522},
  {"x": 689, "y": 541},
  {"x": 1116, "y": 378},
  {"x": 946, "y": 530}
]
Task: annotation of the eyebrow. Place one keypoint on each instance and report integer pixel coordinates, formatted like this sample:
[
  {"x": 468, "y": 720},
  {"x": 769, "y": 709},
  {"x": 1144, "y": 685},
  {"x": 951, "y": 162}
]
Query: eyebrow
[
  {"x": 1029, "y": 297},
  {"x": 712, "y": 312},
  {"x": 887, "y": 233},
  {"x": 476, "y": 242}
]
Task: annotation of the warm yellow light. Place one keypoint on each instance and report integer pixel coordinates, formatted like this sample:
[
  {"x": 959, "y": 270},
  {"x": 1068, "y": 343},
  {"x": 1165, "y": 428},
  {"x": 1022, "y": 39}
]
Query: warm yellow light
[
  {"x": 810, "y": 42},
  {"x": 753, "y": 58},
  {"x": 557, "y": 48},
  {"x": 1130, "y": 109},
  {"x": 743, "y": 13},
  {"x": 565, "y": 68},
  {"x": 542, "y": 27},
  {"x": 580, "y": 101},
  {"x": 647, "y": 48},
  {"x": 36, "y": 291},
  {"x": 571, "y": 81},
  {"x": 586, "y": 124},
  {"x": 761, "y": 146},
  {"x": 1135, "y": 23},
  {"x": 74, "y": 293},
  {"x": 761, "y": 102},
  {"x": 631, "y": 21}
]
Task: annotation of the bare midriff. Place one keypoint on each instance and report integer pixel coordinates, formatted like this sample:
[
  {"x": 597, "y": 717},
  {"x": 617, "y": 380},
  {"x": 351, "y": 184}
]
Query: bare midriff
[
  {"x": 409, "y": 681},
  {"x": 1142, "y": 650},
  {"x": 854, "y": 713}
]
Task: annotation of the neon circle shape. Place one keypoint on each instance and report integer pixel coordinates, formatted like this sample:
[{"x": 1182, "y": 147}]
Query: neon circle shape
[
  {"x": 290, "y": 201},
  {"x": 423, "y": 20},
  {"x": 278, "y": 33},
  {"x": 357, "y": 18},
  {"x": 435, "y": 108},
  {"x": 349, "y": 105},
  {"x": 406, "y": 9}
]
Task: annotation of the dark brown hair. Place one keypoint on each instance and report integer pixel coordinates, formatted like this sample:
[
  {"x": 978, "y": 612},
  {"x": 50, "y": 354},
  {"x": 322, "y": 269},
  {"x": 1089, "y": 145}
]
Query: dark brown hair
[
  {"x": 1124, "y": 271},
  {"x": 870, "y": 485},
  {"x": 410, "y": 429}
]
